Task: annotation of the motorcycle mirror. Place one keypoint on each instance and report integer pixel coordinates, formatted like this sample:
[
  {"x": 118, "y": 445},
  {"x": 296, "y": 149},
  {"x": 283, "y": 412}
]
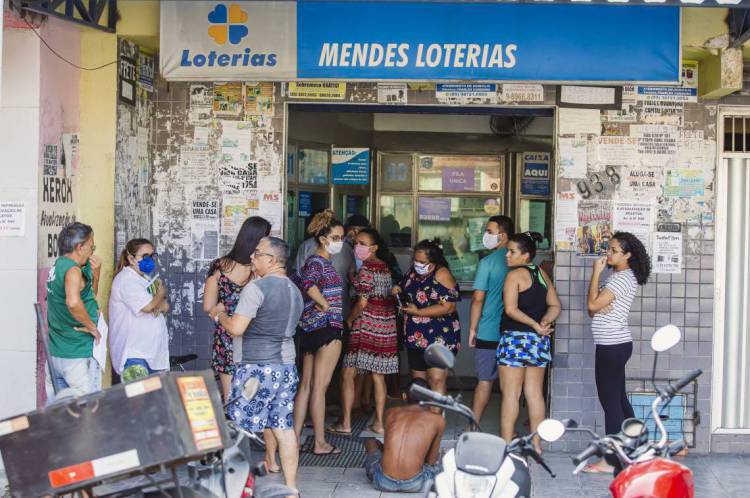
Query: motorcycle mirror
[
  {"x": 438, "y": 356},
  {"x": 665, "y": 338},
  {"x": 550, "y": 430}
]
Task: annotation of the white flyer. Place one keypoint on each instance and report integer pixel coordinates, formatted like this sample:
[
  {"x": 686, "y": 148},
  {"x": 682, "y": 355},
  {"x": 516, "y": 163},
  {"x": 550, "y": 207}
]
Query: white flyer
[
  {"x": 12, "y": 219},
  {"x": 657, "y": 144},
  {"x": 521, "y": 92},
  {"x": 204, "y": 230},
  {"x": 587, "y": 95},
  {"x": 579, "y": 121},
  {"x": 100, "y": 350},
  {"x": 667, "y": 253},
  {"x": 392, "y": 93},
  {"x": 573, "y": 157},
  {"x": 636, "y": 218},
  {"x": 566, "y": 220},
  {"x": 616, "y": 150}
]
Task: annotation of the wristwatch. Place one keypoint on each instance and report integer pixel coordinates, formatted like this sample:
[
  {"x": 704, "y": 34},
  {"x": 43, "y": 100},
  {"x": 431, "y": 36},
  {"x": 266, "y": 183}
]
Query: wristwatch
[{"x": 216, "y": 319}]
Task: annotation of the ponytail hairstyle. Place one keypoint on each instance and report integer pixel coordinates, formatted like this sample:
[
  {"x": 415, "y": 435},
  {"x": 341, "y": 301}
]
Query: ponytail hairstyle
[
  {"x": 131, "y": 248},
  {"x": 322, "y": 224},
  {"x": 434, "y": 252},
  {"x": 639, "y": 260},
  {"x": 527, "y": 242}
]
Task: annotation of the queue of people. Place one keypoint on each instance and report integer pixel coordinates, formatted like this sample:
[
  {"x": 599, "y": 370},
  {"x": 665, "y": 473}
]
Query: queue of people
[{"x": 345, "y": 301}]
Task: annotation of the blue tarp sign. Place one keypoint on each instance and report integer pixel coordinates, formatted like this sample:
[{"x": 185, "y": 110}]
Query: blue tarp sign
[
  {"x": 372, "y": 40},
  {"x": 535, "y": 174},
  {"x": 350, "y": 166},
  {"x": 305, "y": 205}
]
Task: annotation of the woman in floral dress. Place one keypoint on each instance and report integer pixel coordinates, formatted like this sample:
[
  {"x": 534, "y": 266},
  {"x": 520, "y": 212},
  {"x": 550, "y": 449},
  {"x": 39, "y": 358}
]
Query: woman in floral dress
[
  {"x": 431, "y": 316},
  {"x": 373, "y": 341},
  {"x": 227, "y": 276}
]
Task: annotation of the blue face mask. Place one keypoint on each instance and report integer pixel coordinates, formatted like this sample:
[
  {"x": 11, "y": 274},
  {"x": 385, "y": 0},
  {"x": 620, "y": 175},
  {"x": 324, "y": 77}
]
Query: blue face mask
[{"x": 147, "y": 265}]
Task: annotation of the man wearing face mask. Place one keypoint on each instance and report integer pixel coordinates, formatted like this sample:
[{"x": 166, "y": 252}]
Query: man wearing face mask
[
  {"x": 487, "y": 308},
  {"x": 138, "y": 341}
]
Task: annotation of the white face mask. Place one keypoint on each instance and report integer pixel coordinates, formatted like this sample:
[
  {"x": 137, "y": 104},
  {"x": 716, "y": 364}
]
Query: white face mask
[
  {"x": 421, "y": 268},
  {"x": 335, "y": 247},
  {"x": 490, "y": 240}
]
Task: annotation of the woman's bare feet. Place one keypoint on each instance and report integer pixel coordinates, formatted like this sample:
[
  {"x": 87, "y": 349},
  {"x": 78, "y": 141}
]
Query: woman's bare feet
[{"x": 600, "y": 467}]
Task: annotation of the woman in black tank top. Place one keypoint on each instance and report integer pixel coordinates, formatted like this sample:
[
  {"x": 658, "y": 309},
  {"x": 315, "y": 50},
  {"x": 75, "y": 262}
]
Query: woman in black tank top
[{"x": 531, "y": 306}]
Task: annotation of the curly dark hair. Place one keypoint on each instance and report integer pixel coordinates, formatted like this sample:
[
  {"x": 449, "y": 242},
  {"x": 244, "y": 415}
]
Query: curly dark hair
[
  {"x": 639, "y": 261},
  {"x": 527, "y": 242},
  {"x": 433, "y": 251}
]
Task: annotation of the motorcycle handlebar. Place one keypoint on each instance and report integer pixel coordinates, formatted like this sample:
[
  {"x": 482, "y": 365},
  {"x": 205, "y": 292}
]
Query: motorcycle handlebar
[
  {"x": 687, "y": 379},
  {"x": 592, "y": 450},
  {"x": 423, "y": 394}
]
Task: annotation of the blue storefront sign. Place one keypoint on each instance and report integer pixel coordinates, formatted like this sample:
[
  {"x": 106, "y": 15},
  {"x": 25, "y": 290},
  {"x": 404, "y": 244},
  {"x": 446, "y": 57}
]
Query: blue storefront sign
[
  {"x": 487, "y": 41},
  {"x": 350, "y": 166},
  {"x": 535, "y": 174}
]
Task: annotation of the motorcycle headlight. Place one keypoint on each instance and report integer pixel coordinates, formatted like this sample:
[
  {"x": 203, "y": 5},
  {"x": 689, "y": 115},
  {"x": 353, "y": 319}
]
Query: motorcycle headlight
[{"x": 471, "y": 486}]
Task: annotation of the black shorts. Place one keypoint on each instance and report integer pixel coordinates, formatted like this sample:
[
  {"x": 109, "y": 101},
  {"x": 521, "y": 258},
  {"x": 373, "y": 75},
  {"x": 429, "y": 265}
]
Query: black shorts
[
  {"x": 416, "y": 360},
  {"x": 312, "y": 341}
]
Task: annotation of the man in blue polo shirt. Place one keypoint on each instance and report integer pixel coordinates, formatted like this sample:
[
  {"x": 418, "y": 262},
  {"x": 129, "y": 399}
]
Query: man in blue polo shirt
[{"x": 487, "y": 308}]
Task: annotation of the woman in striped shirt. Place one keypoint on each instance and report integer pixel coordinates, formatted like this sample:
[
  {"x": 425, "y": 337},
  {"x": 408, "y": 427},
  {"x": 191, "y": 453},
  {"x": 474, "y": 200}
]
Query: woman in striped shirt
[
  {"x": 322, "y": 327},
  {"x": 609, "y": 307}
]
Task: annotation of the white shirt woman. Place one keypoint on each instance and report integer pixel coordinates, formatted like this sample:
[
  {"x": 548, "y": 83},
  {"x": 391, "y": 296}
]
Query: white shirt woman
[{"x": 138, "y": 337}]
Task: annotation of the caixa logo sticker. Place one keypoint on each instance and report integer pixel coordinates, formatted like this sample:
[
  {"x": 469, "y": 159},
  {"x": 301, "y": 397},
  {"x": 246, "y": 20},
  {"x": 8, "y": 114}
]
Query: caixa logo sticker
[{"x": 227, "y": 25}]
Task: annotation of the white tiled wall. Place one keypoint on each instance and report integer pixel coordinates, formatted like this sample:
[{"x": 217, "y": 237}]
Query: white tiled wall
[{"x": 19, "y": 145}]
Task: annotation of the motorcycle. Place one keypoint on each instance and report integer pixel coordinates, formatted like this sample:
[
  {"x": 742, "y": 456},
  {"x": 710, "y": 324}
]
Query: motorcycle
[
  {"x": 482, "y": 465},
  {"x": 644, "y": 468}
]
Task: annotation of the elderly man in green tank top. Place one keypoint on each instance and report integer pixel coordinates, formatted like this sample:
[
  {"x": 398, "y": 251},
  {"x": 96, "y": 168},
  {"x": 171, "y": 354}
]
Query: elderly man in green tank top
[{"x": 72, "y": 311}]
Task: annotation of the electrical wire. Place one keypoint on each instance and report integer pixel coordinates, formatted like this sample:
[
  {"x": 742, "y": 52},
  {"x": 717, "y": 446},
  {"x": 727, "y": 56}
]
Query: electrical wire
[{"x": 60, "y": 56}]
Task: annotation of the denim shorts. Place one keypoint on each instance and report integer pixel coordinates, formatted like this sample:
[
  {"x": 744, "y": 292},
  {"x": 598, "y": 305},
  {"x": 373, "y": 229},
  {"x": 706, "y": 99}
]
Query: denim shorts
[{"x": 382, "y": 482}]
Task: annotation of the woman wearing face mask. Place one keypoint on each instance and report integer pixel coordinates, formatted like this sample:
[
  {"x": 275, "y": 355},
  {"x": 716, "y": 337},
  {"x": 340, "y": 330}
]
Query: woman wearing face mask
[
  {"x": 373, "y": 342},
  {"x": 138, "y": 340},
  {"x": 431, "y": 316},
  {"x": 227, "y": 276},
  {"x": 531, "y": 306},
  {"x": 322, "y": 327}
]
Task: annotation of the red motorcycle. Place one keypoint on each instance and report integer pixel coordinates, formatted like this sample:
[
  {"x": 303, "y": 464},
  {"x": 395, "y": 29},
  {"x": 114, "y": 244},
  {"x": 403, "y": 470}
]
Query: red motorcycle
[{"x": 644, "y": 469}]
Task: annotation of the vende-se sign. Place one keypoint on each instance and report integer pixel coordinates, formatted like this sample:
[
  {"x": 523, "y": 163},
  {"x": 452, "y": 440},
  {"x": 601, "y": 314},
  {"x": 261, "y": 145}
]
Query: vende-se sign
[{"x": 372, "y": 40}]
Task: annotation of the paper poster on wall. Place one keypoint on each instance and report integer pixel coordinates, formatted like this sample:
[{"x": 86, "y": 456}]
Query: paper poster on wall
[
  {"x": 566, "y": 220},
  {"x": 69, "y": 156},
  {"x": 466, "y": 93},
  {"x": 594, "y": 227},
  {"x": 50, "y": 160},
  {"x": 316, "y": 90},
  {"x": 235, "y": 209},
  {"x": 617, "y": 150},
  {"x": 12, "y": 218},
  {"x": 579, "y": 121},
  {"x": 146, "y": 71},
  {"x": 194, "y": 164},
  {"x": 684, "y": 183},
  {"x": 666, "y": 256},
  {"x": 227, "y": 100},
  {"x": 458, "y": 179},
  {"x": 392, "y": 93},
  {"x": 305, "y": 204},
  {"x": 204, "y": 230},
  {"x": 258, "y": 99},
  {"x": 350, "y": 165},
  {"x": 635, "y": 218},
  {"x": 475, "y": 228},
  {"x": 573, "y": 157},
  {"x": 535, "y": 176},
  {"x": 270, "y": 208},
  {"x": 201, "y": 103},
  {"x": 200, "y": 135},
  {"x": 521, "y": 92},
  {"x": 127, "y": 73},
  {"x": 237, "y": 178},
  {"x": 434, "y": 209},
  {"x": 588, "y": 95},
  {"x": 690, "y": 74},
  {"x": 641, "y": 183},
  {"x": 657, "y": 144}
]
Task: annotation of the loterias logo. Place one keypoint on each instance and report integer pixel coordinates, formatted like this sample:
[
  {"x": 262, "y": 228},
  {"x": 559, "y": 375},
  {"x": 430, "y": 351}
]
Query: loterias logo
[{"x": 227, "y": 25}]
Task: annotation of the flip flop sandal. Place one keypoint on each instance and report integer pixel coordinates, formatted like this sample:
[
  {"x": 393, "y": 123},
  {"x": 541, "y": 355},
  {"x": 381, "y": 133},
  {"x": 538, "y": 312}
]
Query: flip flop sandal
[
  {"x": 591, "y": 469},
  {"x": 334, "y": 451},
  {"x": 338, "y": 432},
  {"x": 372, "y": 429}
]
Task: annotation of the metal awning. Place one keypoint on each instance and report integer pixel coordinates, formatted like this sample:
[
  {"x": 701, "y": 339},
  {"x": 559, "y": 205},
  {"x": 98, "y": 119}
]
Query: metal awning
[{"x": 655, "y": 3}]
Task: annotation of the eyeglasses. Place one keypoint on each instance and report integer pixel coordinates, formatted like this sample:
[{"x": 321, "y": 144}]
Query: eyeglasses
[
  {"x": 258, "y": 253},
  {"x": 152, "y": 255}
]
